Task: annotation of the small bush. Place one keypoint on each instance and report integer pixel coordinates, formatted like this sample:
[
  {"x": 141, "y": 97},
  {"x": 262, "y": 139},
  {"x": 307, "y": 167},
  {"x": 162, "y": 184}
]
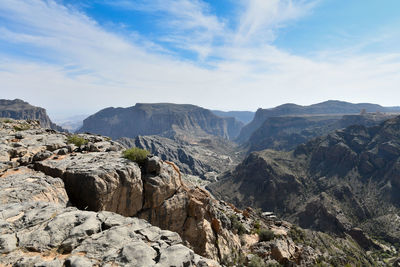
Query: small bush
[
  {"x": 266, "y": 235},
  {"x": 135, "y": 154},
  {"x": 256, "y": 227},
  {"x": 77, "y": 140},
  {"x": 236, "y": 224},
  {"x": 297, "y": 234},
  {"x": 256, "y": 261},
  {"x": 22, "y": 127},
  {"x": 7, "y": 121}
]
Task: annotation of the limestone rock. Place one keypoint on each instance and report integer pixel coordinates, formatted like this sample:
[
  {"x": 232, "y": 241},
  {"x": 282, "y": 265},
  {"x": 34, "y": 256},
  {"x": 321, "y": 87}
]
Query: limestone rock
[
  {"x": 52, "y": 235},
  {"x": 98, "y": 181}
]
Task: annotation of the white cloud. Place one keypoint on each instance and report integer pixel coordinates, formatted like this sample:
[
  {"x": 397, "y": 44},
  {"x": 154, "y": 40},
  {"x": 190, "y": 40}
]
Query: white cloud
[
  {"x": 262, "y": 17},
  {"x": 92, "y": 68}
]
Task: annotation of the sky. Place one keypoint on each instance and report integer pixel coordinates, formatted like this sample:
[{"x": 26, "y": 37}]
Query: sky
[{"x": 79, "y": 56}]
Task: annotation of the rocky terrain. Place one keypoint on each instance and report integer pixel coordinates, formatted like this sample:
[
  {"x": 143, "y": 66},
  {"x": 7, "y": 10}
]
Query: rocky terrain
[
  {"x": 205, "y": 157},
  {"x": 21, "y": 110},
  {"x": 167, "y": 120},
  {"x": 287, "y": 132},
  {"x": 337, "y": 183},
  {"x": 70, "y": 204},
  {"x": 324, "y": 108}
]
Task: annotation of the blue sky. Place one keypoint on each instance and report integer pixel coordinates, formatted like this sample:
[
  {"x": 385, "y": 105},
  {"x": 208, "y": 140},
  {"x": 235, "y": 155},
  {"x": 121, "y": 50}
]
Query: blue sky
[{"x": 79, "y": 56}]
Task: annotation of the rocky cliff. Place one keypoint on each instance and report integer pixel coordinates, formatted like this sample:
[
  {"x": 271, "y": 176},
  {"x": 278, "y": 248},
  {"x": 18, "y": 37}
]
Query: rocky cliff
[
  {"x": 328, "y": 107},
  {"x": 160, "y": 119},
  {"x": 21, "y": 110},
  {"x": 59, "y": 205},
  {"x": 345, "y": 180},
  {"x": 287, "y": 132}
]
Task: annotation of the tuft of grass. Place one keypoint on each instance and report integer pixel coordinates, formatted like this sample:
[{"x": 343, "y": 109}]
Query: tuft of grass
[
  {"x": 77, "y": 140},
  {"x": 136, "y": 154},
  {"x": 266, "y": 235}
]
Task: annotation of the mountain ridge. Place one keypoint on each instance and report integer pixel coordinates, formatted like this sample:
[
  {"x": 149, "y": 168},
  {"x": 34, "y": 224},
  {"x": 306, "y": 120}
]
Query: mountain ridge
[
  {"x": 327, "y": 107},
  {"x": 163, "y": 119}
]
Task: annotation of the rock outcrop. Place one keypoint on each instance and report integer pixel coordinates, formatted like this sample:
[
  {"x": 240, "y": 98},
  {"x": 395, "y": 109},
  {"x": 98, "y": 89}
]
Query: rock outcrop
[
  {"x": 38, "y": 229},
  {"x": 162, "y": 119},
  {"x": 346, "y": 179},
  {"x": 21, "y": 110}
]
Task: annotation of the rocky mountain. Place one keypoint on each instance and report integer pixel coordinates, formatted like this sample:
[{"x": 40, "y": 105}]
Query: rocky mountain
[
  {"x": 243, "y": 116},
  {"x": 287, "y": 132},
  {"x": 327, "y": 107},
  {"x": 70, "y": 203},
  {"x": 161, "y": 119},
  {"x": 343, "y": 181},
  {"x": 21, "y": 110},
  {"x": 204, "y": 157}
]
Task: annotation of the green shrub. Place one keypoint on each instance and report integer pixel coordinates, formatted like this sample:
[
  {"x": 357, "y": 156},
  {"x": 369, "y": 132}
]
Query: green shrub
[
  {"x": 256, "y": 227},
  {"x": 135, "y": 154},
  {"x": 266, "y": 235},
  {"x": 297, "y": 234},
  {"x": 7, "y": 121},
  {"x": 236, "y": 224},
  {"x": 77, "y": 140},
  {"x": 22, "y": 127},
  {"x": 256, "y": 261}
]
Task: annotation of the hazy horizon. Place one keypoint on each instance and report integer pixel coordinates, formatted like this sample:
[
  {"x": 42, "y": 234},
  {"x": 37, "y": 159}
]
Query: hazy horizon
[{"x": 77, "y": 57}]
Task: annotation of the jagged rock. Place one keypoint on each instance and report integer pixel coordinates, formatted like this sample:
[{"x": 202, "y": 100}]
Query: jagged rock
[
  {"x": 348, "y": 178},
  {"x": 51, "y": 232}
]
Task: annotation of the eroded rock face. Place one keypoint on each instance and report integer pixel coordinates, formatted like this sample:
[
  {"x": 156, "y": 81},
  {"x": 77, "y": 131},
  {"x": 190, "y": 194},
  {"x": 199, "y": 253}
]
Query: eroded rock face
[{"x": 98, "y": 181}]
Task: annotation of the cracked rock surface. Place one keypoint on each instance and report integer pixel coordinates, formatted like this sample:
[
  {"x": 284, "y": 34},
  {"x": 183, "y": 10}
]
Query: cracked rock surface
[{"x": 38, "y": 227}]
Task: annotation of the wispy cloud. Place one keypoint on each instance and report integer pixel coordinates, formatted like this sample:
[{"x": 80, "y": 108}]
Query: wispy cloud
[
  {"x": 93, "y": 67},
  {"x": 262, "y": 18}
]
